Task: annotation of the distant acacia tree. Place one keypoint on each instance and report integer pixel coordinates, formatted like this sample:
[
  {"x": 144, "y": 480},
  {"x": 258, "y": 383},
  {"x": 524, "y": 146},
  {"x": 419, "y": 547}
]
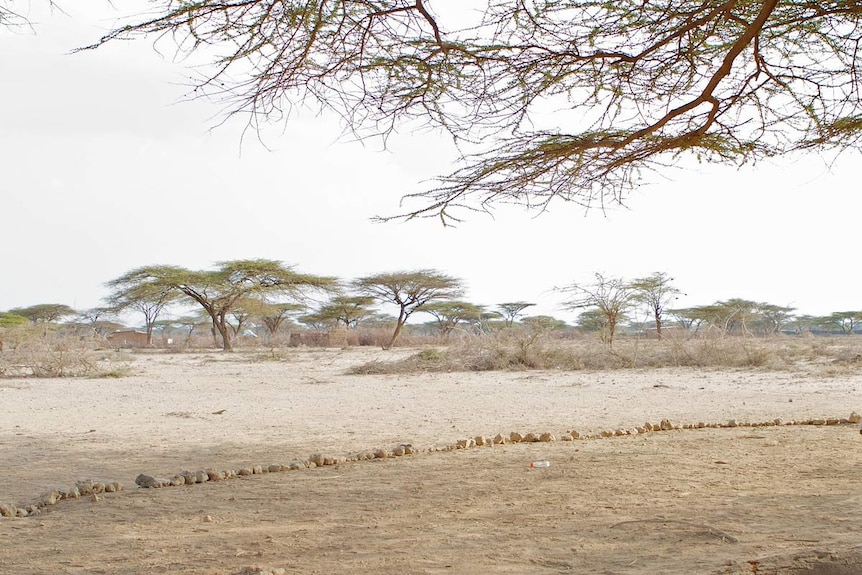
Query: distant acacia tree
[
  {"x": 143, "y": 292},
  {"x": 511, "y": 310},
  {"x": 346, "y": 310},
  {"x": 408, "y": 291},
  {"x": 611, "y": 296},
  {"x": 647, "y": 81},
  {"x": 543, "y": 323},
  {"x": 44, "y": 312},
  {"x": 655, "y": 292},
  {"x": 448, "y": 314},
  {"x": 847, "y": 321},
  {"x": 593, "y": 321},
  {"x": 219, "y": 291},
  {"x": 273, "y": 315}
]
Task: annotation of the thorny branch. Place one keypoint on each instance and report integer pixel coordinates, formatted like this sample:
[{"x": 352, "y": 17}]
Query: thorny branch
[{"x": 571, "y": 100}]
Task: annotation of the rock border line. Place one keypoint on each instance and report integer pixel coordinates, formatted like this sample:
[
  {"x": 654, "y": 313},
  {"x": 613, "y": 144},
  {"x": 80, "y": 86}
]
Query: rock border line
[{"x": 96, "y": 490}]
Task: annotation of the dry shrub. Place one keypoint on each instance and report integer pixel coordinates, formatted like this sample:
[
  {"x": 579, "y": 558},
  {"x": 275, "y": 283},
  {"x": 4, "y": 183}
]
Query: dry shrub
[
  {"x": 41, "y": 353},
  {"x": 427, "y": 360},
  {"x": 515, "y": 349}
]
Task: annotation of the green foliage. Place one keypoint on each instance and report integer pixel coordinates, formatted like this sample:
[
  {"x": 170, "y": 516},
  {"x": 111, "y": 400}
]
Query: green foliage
[
  {"x": 8, "y": 319},
  {"x": 448, "y": 314},
  {"x": 408, "y": 291},
  {"x": 229, "y": 286},
  {"x": 511, "y": 310},
  {"x": 44, "y": 313}
]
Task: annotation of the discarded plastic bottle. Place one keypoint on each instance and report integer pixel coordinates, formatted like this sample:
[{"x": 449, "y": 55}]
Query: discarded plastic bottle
[{"x": 537, "y": 464}]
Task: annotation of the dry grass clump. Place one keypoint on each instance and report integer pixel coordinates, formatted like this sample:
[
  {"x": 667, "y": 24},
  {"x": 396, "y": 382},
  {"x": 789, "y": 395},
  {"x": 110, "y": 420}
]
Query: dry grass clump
[
  {"x": 33, "y": 352},
  {"x": 522, "y": 349}
]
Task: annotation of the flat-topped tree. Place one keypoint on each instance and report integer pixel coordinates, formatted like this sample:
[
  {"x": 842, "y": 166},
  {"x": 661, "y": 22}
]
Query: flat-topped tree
[
  {"x": 449, "y": 314},
  {"x": 222, "y": 290},
  {"x": 511, "y": 310},
  {"x": 346, "y": 310},
  {"x": 273, "y": 315},
  {"x": 408, "y": 291},
  {"x": 44, "y": 312},
  {"x": 141, "y": 291}
]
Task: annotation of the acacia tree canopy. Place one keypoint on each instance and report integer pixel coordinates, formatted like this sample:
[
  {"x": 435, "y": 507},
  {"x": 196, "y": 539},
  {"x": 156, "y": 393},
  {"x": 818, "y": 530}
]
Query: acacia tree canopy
[
  {"x": 408, "y": 291},
  {"x": 632, "y": 84}
]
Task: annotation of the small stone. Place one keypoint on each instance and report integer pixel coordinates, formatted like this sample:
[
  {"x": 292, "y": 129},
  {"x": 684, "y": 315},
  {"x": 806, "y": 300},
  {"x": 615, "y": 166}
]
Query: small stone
[
  {"x": 531, "y": 438},
  {"x": 567, "y": 437},
  {"x": 110, "y": 487},
  {"x": 295, "y": 465},
  {"x": 516, "y": 437},
  {"x": 84, "y": 487},
  {"x": 818, "y": 421},
  {"x": 575, "y": 434},
  {"x": 330, "y": 461},
  {"x": 208, "y": 519},
  {"x": 833, "y": 421},
  {"x": 275, "y": 468},
  {"x": 547, "y": 437},
  {"x": 499, "y": 439},
  {"x": 215, "y": 475},
  {"x": 145, "y": 481},
  {"x": 381, "y": 454},
  {"x": 50, "y": 498},
  {"x": 317, "y": 459},
  {"x": 21, "y": 512},
  {"x": 177, "y": 481},
  {"x": 619, "y": 432},
  {"x": 480, "y": 441},
  {"x": 409, "y": 449},
  {"x": 732, "y": 423},
  {"x": 243, "y": 472},
  {"x": 95, "y": 498},
  {"x": 257, "y": 469},
  {"x": 855, "y": 418},
  {"x": 7, "y": 510},
  {"x": 201, "y": 476},
  {"x": 310, "y": 464},
  {"x": 607, "y": 433},
  {"x": 398, "y": 450},
  {"x": 188, "y": 476}
]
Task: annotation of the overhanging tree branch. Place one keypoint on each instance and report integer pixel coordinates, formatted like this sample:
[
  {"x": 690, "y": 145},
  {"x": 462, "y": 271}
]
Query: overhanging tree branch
[{"x": 639, "y": 83}]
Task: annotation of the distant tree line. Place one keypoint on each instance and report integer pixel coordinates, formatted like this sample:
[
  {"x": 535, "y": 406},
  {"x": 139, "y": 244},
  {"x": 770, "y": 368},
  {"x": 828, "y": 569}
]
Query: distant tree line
[{"x": 259, "y": 296}]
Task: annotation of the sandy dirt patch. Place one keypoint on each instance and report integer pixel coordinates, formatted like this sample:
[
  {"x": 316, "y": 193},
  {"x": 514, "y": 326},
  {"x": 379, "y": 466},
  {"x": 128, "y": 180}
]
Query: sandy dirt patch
[{"x": 690, "y": 501}]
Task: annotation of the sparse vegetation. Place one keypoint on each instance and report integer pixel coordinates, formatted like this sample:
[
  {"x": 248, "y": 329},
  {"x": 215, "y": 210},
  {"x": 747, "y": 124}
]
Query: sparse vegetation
[
  {"x": 518, "y": 349},
  {"x": 36, "y": 352}
]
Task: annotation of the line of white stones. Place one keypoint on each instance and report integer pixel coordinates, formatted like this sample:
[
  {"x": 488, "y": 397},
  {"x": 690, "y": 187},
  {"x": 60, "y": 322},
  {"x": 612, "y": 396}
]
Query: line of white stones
[{"x": 94, "y": 490}]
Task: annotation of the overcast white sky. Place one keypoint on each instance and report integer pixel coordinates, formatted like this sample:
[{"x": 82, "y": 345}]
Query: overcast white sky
[{"x": 104, "y": 170}]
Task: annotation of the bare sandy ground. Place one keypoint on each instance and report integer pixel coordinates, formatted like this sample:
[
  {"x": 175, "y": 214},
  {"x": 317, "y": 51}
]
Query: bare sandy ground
[{"x": 691, "y": 501}]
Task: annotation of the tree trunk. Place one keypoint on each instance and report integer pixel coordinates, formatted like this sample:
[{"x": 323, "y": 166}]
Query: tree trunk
[
  {"x": 224, "y": 332},
  {"x": 658, "y": 324},
  {"x": 402, "y": 318},
  {"x": 149, "y": 334}
]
